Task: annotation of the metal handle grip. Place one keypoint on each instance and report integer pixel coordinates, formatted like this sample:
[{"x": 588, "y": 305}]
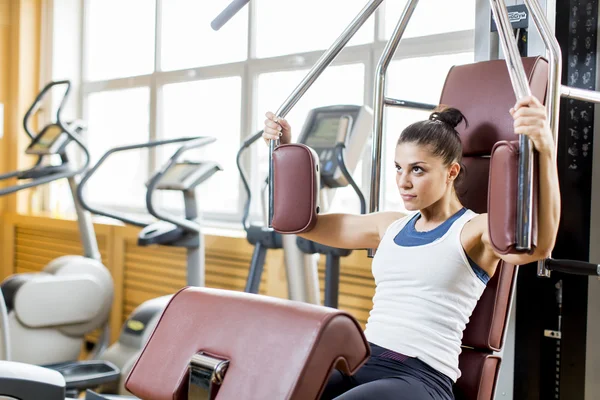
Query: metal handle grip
[
  {"x": 38, "y": 101},
  {"x": 573, "y": 267},
  {"x": 521, "y": 88},
  {"x": 580, "y": 94},
  {"x": 233, "y": 8},
  {"x": 320, "y": 66},
  {"x": 554, "y": 77}
]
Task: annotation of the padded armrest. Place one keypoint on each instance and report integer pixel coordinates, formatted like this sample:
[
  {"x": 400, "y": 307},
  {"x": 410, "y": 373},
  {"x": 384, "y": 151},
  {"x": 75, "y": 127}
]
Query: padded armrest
[
  {"x": 503, "y": 196},
  {"x": 278, "y": 349},
  {"x": 296, "y": 183}
]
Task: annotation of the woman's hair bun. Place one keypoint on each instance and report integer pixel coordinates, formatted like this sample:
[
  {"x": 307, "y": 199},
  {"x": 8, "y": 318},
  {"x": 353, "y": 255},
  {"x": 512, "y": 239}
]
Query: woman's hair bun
[{"x": 448, "y": 115}]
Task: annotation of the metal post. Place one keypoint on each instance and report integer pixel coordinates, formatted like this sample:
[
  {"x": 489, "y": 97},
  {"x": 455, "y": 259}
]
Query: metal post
[
  {"x": 195, "y": 255},
  {"x": 84, "y": 222},
  {"x": 379, "y": 104},
  {"x": 580, "y": 94},
  {"x": 256, "y": 268},
  {"x": 520, "y": 85},
  {"x": 554, "y": 77},
  {"x": 332, "y": 281}
]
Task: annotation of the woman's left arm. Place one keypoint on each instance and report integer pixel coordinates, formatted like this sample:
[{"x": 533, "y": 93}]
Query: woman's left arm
[{"x": 531, "y": 120}]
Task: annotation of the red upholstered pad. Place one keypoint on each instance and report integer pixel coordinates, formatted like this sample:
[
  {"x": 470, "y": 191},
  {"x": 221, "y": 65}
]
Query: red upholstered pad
[
  {"x": 483, "y": 93},
  {"x": 480, "y": 373},
  {"x": 489, "y": 319},
  {"x": 278, "y": 349}
]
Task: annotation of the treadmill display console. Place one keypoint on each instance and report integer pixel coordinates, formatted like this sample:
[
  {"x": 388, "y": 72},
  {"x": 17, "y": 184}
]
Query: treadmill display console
[
  {"x": 320, "y": 132},
  {"x": 179, "y": 172},
  {"x": 186, "y": 175},
  {"x": 51, "y": 140},
  {"x": 175, "y": 178},
  {"x": 325, "y": 131}
]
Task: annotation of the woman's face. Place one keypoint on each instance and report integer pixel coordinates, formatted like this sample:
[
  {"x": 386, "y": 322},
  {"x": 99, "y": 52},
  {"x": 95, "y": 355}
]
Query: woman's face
[{"x": 422, "y": 178}]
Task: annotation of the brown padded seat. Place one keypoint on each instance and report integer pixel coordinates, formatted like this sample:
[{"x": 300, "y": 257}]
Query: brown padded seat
[
  {"x": 278, "y": 349},
  {"x": 483, "y": 93}
]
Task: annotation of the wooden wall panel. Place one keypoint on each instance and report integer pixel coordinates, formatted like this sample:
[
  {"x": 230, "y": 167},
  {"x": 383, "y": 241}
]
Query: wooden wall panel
[
  {"x": 36, "y": 247},
  {"x": 155, "y": 271},
  {"x": 357, "y": 286}
]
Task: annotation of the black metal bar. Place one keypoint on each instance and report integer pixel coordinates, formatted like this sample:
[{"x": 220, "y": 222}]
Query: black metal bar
[
  {"x": 256, "y": 268},
  {"x": 332, "y": 280},
  {"x": 9, "y": 175},
  {"x": 36, "y": 104},
  {"x": 37, "y": 182},
  {"x": 409, "y": 104},
  {"x": 573, "y": 267},
  {"x": 339, "y": 152}
]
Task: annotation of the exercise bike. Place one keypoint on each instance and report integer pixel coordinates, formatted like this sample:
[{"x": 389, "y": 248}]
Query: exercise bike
[{"x": 47, "y": 314}]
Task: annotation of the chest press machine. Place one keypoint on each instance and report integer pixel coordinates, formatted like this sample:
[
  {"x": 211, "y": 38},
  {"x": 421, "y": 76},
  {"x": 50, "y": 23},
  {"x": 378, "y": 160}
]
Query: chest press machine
[{"x": 498, "y": 168}]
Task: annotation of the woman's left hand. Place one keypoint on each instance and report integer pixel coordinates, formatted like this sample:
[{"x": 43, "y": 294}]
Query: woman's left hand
[{"x": 531, "y": 120}]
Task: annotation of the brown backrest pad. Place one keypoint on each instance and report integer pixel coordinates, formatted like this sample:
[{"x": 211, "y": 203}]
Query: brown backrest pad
[
  {"x": 268, "y": 341},
  {"x": 296, "y": 188},
  {"x": 488, "y": 322},
  {"x": 483, "y": 93},
  {"x": 473, "y": 189},
  {"x": 480, "y": 378}
]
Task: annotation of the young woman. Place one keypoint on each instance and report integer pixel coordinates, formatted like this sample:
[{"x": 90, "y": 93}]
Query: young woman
[{"x": 432, "y": 266}]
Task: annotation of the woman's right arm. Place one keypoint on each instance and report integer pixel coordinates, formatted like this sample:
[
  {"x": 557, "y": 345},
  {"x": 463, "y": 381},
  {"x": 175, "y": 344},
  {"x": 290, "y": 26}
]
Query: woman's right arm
[{"x": 351, "y": 231}]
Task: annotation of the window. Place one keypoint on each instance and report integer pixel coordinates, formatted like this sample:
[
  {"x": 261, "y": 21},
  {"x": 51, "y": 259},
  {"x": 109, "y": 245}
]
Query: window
[
  {"x": 208, "y": 108},
  {"x": 431, "y": 17},
  {"x": 188, "y": 41},
  {"x": 308, "y": 25},
  {"x": 171, "y": 75},
  {"x": 114, "y": 46},
  {"x": 118, "y": 118}
]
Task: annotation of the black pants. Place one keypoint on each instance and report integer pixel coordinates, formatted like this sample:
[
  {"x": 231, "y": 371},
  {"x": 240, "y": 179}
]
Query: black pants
[{"x": 389, "y": 376}]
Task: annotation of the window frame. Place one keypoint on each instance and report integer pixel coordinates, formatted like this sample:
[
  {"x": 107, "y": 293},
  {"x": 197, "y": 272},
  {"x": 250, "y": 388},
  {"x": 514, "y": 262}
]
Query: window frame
[{"x": 249, "y": 70}]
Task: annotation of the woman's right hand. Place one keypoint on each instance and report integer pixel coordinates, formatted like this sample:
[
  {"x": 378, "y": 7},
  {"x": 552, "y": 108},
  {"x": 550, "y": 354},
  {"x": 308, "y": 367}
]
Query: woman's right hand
[{"x": 276, "y": 129}]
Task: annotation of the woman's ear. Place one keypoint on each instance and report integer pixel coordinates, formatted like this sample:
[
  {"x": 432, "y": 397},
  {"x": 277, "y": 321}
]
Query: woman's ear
[{"x": 453, "y": 171}]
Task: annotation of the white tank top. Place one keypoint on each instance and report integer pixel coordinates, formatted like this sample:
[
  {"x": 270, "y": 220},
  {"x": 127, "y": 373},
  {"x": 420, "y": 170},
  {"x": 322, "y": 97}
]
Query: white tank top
[{"x": 424, "y": 297}]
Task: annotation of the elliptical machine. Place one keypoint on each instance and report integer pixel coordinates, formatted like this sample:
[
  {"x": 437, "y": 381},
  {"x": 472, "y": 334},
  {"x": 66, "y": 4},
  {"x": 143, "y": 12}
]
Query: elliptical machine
[
  {"x": 170, "y": 230},
  {"x": 338, "y": 134},
  {"x": 48, "y": 313}
]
